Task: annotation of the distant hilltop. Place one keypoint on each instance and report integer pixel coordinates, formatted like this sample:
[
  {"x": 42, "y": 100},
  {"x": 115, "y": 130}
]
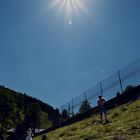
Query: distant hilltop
[{"x": 21, "y": 111}]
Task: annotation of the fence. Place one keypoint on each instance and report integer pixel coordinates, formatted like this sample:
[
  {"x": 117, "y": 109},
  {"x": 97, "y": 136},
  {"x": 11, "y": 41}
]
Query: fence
[{"x": 116, "y": 83}]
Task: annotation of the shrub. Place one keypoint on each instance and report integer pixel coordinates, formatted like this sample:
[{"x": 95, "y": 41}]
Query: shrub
[
  {"x": 115, "y": 115},
  {"x": 44, "y": 137}
]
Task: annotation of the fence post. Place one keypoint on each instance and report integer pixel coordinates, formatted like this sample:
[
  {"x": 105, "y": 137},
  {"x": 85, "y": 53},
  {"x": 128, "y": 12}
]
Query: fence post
[
  {"x": 101, "y": 89},
  {"x": 120, "y": 81},
  {"x": 85, "y": 96},
  {"x": 68, "y": 111},
  {"x": 62, "y": 109},
  {"x": 72, "y": 109}
]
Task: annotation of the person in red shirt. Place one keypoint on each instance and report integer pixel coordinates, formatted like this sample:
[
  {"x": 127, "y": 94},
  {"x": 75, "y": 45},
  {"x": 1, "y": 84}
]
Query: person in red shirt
[{"x": 101, "y": 105}]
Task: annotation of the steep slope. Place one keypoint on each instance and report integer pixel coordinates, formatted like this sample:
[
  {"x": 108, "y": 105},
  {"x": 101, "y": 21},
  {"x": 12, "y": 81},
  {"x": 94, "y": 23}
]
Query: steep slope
[{"x": 124, "y": 125}]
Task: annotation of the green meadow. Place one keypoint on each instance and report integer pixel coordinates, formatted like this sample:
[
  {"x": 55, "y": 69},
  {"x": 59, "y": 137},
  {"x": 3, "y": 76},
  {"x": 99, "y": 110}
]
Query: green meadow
[{"x": 124, "y": 125}]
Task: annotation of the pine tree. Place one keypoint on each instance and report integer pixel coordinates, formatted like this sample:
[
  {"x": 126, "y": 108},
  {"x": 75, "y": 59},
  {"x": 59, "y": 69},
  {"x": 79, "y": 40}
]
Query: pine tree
[{"x": 85, "y": 106}]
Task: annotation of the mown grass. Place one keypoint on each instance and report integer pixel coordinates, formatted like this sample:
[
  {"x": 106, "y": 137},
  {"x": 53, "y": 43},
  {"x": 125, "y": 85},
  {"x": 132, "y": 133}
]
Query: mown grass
[{"x": 124, "y": 125}]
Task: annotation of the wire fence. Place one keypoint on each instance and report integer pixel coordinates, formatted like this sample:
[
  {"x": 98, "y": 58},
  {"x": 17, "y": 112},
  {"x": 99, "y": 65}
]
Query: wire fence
[{"x": 116, "y": 83}]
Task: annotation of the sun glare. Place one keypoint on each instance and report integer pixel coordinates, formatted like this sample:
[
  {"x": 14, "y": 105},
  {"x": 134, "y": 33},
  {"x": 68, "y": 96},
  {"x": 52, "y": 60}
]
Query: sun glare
[{"x": 69, "y": 8}]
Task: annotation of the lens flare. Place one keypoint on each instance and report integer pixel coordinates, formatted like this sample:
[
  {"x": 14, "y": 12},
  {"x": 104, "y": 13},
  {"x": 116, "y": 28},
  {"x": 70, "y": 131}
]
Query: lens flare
[{"x": 70, "y": 8}]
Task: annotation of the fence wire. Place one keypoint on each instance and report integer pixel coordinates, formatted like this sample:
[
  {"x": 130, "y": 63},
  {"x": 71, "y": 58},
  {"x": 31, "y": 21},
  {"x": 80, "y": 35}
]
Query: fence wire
[{"x": 129, "y": 75}]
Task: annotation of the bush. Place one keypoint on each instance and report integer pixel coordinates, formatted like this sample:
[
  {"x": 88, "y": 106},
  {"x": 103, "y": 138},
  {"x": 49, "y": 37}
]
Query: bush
[
  {"x": 118, "y": 138},
  {"x": 44, "y": 137},
  {"x": 115, "y": 115}
]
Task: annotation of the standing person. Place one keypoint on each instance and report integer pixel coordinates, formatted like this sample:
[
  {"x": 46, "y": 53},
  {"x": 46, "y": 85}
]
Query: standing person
[
  {"x": 29, "y": 134},
  {"x": 101, "y": 105}
]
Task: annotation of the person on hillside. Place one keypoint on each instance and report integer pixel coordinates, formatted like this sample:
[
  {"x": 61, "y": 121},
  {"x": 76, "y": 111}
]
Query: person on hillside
[
  {"x": 29, "y": 134},
  {"x": 101, "y": 105}
]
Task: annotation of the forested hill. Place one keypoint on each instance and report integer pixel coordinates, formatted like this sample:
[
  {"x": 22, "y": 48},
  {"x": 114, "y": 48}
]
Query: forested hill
[{"x": 20, "y": 110}]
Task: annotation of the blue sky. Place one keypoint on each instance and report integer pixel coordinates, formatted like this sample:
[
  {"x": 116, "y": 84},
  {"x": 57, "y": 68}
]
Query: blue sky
[{"x": 41, "y": 54}]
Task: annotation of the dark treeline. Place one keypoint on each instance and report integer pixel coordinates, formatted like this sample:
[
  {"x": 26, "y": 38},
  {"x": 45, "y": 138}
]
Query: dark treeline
[{"x": 19, "y": 112}]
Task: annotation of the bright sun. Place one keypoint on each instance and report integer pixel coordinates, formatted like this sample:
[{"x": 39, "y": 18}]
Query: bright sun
[{"x": 69, "y": 7}]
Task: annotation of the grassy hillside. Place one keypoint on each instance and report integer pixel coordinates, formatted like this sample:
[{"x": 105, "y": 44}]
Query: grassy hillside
[{"x": 124, "y": 125}]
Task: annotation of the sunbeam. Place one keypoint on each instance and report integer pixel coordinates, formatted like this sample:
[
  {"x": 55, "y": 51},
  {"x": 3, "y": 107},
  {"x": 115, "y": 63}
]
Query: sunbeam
[{"x": 69, "y": 8}]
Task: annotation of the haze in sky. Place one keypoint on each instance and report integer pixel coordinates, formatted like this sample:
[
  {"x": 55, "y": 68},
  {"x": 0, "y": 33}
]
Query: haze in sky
[{"x": 56, "y": 49}]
